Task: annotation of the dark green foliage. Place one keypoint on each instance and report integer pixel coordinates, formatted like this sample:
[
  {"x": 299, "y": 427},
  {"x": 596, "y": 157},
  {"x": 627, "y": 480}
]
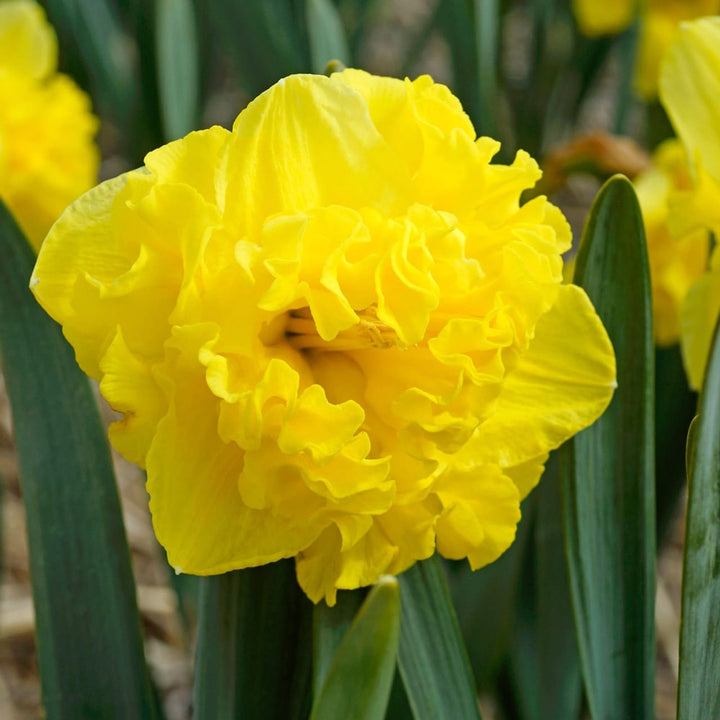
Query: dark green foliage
[
  {"x": 87, "y": 624},
  {"x": 609, "y": 478}
]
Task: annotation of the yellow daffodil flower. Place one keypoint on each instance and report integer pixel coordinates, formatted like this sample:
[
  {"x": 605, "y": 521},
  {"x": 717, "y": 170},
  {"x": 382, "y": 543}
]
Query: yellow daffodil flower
[
  {"x": 603, "y": 17},
  {"x": 334, "y": 332},
  {"x": 47, "y": 155},
  {"x": 659, "y": 22},
  {"x": 690, "y": 91},
  {"x": 676, "y": 263}
]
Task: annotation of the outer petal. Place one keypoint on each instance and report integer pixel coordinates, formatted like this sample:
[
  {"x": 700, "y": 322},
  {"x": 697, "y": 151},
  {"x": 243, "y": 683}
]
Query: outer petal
[
  {"x": 116, "y": 258},
  {"x": 698, "y": 317},
  {"x": 698, "y": 208},
  {"x": 690, "y": 88},
  {"x": 677, "y": 259},
  {"x": 424, "y": 123},
  {"x": 194, "y": 160},
  {"x": 561, "y": 385},
  {"x": 197, "y": 510},
  {"x": 406, "y": 112},
  {"x": 309, "y": 142},
  {"x": 80, "y": 239},
  {"x": 394, "y": 541},
  {"x": 527, "y": 475},
  {"x": 481, "y": 513},
  {"x": 130, "y": 388}
]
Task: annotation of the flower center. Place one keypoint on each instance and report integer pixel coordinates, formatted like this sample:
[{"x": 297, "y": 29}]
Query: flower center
[{"x": 369, "y": 332}]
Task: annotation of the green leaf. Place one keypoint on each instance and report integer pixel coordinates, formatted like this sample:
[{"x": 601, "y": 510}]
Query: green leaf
[
  {"x": 326, "y": 34},
  {"x": 674, "y": 409},
  {"x": 177, "y": 66},
  {"x": 698, "y": 686},
  {"x": 609, "y": 475},
  {"x": 544, "y": 663},
  {"x": 263, "y": 37},
  {"x": 146, "y": 131},
  {"x": 93, "y": 30},
  {"x": 360, "y": 677},
  {"x": 87, "y": 624},
  {"x": 254, "y": 646},
  {"x": 691, "y": 444},
  {"x": 558, "y": 669},
  {"x": 398, "y": 705},
  {"x": 432, "y": 658},
  {"x": 487, "y": 32},
  {"x": 485, "y": 602},
  {"x": 330, "y": 624}
]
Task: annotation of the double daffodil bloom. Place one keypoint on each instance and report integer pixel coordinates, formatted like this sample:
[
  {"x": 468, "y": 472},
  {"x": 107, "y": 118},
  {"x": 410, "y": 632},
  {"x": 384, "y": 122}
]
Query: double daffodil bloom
[
  {"x": 659, "y": 22},
  {"x": 47, "y": 154},
  {"x": 334, "y": 333},
  {"x": 676, "y": 263},
  {"x": 690, "y": 92}
]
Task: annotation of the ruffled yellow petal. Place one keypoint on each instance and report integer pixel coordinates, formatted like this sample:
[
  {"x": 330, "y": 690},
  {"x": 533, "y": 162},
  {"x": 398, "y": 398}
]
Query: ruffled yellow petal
[
  {"x": 125, "y": 272},
  {"x": 27, "y": 43},
  {"x": 425, "y": 125},
  {"x": 194, "y": 160},
  {"x": 390, "y": 544},
  {"x": 198, "y": 513},
  {"x": 308, "y": 142},
  {"x": 689, "y": 88},
  {"x": 559, "y": 386},
  {"x": 130, "y": 388},
  {"x": 304, "y": 254},
  {"x": 527, "y": 475},
  {"x": 480, "y": 530}
]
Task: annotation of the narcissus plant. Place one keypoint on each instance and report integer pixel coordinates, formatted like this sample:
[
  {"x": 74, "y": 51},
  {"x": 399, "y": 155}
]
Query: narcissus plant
[
  {"x": 47, "y": 153},
  {"x": 676, "y": 262},
  {"x": 690, "y": 88},
  {"x": 659, "y": 22},
  {"x": 334, "y": 333}
]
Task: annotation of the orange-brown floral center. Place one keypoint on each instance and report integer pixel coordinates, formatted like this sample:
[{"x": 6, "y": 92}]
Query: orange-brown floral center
[{"x": 369, "y": 332}]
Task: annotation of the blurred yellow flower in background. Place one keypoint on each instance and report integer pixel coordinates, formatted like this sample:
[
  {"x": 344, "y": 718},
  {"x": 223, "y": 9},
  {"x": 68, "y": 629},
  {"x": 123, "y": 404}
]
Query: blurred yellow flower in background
[
  {"x": 659, "y": 23},
  {"x": 47, "y": 154},
  {"x": 334, "y": 333},
  {"x": 676, "y": 263},
  {"x": 604, "y": 17},
  {"x": 690, "y": 92}
]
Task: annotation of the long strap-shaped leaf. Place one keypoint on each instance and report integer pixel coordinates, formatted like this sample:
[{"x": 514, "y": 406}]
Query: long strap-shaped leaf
[
  {"x": 177, "y": 66},
  {"x": 93, "y": 30},
  {"x": 609, "y": 473},
  {"x": 360, "y": 676},
  {"x": 699, "y": 681},
  {"x": 544, "y": 662},
  {"x": 330, "y": 625},
  {"x": 326, "y": 34},
  {"x": 88, "y": 629},
  {"x": 254, "y": 646},
  {"x": 433, "y": 661}
]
